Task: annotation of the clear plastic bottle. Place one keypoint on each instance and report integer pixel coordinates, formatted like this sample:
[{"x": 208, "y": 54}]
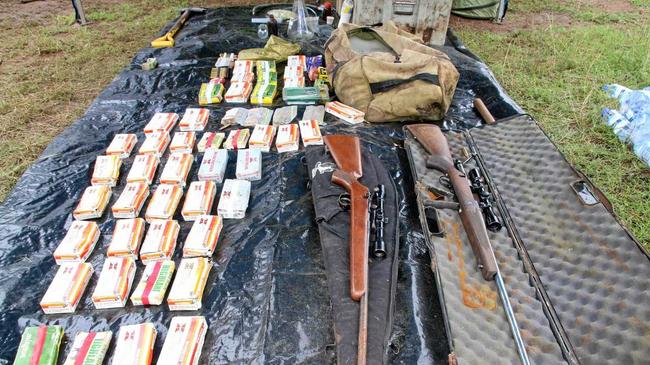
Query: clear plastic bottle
[
  {"x": 619, "y": 124},
  {"x": 298, "y": 29}
]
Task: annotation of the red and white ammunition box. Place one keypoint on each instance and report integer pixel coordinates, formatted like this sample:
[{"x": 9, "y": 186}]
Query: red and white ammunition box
[
  {"x": 288, "y": 138},
  {"x": 249, "y": 165},
  {"x": 135, "y": 345},
  {"x": 344, "y": 112},
  {"x": 107, "y": 170},
  {"x": 234, "y": 116},
  {"x": 164, "y": 202},
  {"x": 155, "y": 144},
  {"x": 182, "y": 142},
  {"x": 143, "y": 169},
  {"x": 257, "y": 116},
  {"x": 114, "y": 282},
  {"x": 237, "y": 139},
  {"x": 310, "y": 132},
  {"x": 93, "y": 202},
  {"x": 127, "y": 237},
  {"x": 297, "y": 61},
  {"x": 78, "y": 243},
  {"x": 194, "y": 119},
  {"x": 199, "y": 199},
  {"x": 161, "y": 123},
  {"x": 184, "y": 341},
  {"x": 241, "y": 69},
  {"x": 160, "y": 241},
  {"x": 213, "y": 165},
  {"x": 176, "y": 169},
  {"x": 262, "y": 137},
  {"x": 187, "y": 290},
  {"x": 122, "y": 145},
  {"x": 203, "y": 237},
  {"x": 67, "y": 287},
  {"x": 239, "y": 91},
  {"x": 154, "y": 283},
  {"x": 89, "y": 348},
  {"x": 130, "y": 202},
  {"x": 234, "y": 199},
  {"x": 210, "y": 140}
]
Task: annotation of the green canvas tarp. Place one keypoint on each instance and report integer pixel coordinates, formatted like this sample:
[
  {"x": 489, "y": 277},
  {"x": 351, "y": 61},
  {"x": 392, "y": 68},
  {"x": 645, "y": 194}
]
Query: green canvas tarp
[{"x": 477, "y": 9}]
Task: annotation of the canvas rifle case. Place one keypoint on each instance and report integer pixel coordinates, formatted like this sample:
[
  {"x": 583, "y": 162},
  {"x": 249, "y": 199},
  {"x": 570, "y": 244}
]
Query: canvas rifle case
[{"x": 333, "y": 221}]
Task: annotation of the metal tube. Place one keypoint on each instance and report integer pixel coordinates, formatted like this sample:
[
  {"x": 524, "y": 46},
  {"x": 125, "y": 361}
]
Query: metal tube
[{"x": 514, "y": 328}]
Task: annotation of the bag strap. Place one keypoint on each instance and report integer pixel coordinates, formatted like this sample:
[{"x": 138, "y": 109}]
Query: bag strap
[{"x": 381, "y": 86}]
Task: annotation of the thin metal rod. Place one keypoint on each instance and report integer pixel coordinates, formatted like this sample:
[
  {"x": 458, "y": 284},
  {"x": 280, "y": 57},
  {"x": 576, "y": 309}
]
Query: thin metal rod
[
  {"x": 363, "y": 329},
  {"x": 514, "y": 328}
]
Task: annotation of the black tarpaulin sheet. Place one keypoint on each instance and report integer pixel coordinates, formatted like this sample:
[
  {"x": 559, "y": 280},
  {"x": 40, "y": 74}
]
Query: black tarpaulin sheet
[{"x": 266, "y": 299}]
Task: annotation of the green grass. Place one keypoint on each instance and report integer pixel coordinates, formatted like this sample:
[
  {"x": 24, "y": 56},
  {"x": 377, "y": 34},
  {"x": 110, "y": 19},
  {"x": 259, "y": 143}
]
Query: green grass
[
  {"x": 50, "y": 71},
  {"x": 556, "y": 74}
]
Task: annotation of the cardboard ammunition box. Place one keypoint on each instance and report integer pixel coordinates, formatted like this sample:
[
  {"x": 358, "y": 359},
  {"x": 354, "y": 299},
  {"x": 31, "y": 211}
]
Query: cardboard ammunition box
[
  {"x": 160, "y": 241},
  {"x": 265, "y": 67},
  {"x": 107, "y": 170},
  {"x": 199, "y": 199},
  {"x": 242, "y": 67},
  {"x": 211, "y": 93},
  {"x": 127, "y": 237},
  {"x": 92, "y": 202},
  {"x": 297, "y": 61},
  {"x": 122, "y": 145},
  {"x": 262, "y": 137},
  {"x": 184, "y": 341},
  {"x": 143, "y": 169},
  {"x": 234, "y": 199},
  {"x": 130, "y": 202},
  {"x": 203, "y": 237},
  {"x": 177, "y": 168},
  {"x": 155, "y": 144},
  {"x": 114, "y": 282},
  {"x": 194, "y": 119},
  {"x": 164, "y": 202},
  {"x": 237, "y": 138},
  {"x": 187, "y": 290},
  {"x": 239, "y": 91},
  {"x": 310, "y": 132},
  {"x": 249, "y": 165},
  {"x": 161, "y": 123},
  {"x": 210, "y": 140},
  {"x": 135, "y": 345},
  {"x": 182, "y": 142},
  {"x": 264, "y": 93},
  {"x": 344, "y": 112},
  {"x": 67, "y": 287},
  {"x": 39, "y": 345},
  {"x": 89, "y": 348},
  {"x": 78, "y": 243},
  {"x": 154, "y": 283},
  {"x": 288, "y": 138},
  {"x": 213, "y": 165}
]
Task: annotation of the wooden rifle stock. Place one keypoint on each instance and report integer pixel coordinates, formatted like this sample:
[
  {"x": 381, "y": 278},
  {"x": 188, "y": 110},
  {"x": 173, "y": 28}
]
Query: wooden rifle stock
[
  {"x": 435, "y": 143},
  {"x": 346, "y": 151}
]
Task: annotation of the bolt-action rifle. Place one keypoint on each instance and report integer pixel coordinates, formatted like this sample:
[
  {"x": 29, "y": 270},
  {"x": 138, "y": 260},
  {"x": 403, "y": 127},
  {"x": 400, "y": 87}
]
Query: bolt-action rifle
[
  {"x": 435, "y": 143},
  {"x": 346, "y": 151}
]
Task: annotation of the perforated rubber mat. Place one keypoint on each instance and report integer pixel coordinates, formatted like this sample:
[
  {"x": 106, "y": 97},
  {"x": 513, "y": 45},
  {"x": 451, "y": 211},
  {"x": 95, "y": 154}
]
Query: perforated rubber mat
[
  {"x": 596, "y": 276},
  {"x": 476, "y": 321}
]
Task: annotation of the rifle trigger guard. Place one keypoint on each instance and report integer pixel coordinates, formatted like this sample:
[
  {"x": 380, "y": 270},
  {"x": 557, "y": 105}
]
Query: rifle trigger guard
[
  {"x": 344, "y": 201},
  {"x": 444, "y": 181}
]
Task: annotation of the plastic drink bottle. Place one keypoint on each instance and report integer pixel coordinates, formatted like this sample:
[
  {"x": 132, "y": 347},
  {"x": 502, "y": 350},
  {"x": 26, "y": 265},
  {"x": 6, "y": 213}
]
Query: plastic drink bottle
[{"x": 346, "y": 12}]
